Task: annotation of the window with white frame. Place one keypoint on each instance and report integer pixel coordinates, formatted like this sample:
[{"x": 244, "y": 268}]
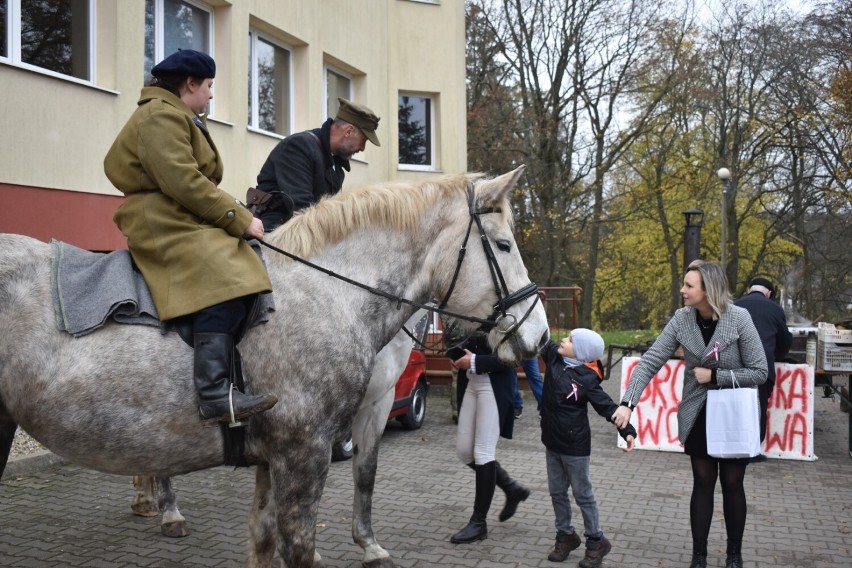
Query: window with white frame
[
  {"x": 175, "y": 24},
  {"x": 4, "y": 29},
  {"x": 270, "y": 79},
  {"x": 55, "y": 36},
  {"x": 416, "y": 127},
  {"x": 337, "y": 85}
]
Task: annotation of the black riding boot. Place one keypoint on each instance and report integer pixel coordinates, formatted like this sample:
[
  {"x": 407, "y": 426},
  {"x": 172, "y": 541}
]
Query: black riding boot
[
  {"x": 477, "y": 529},
  {"x": 515, "y": 493},
  {"x": 212, "y": 374}
]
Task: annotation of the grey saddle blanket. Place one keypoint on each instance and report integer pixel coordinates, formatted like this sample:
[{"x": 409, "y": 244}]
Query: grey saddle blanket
[{"x": 89, "y": 288}]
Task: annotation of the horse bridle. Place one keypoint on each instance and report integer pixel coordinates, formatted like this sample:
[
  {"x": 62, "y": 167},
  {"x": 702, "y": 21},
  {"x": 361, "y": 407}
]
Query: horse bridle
[{"x": 505, "y": 299}]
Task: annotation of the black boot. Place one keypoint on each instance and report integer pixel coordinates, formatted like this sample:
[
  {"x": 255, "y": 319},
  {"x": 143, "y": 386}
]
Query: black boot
[
  {"x": 477, "y": 529},
  {"x": 734, "y": 556},
  {"x": 515, "y": 493},
  {"x": 212, "y": 374},
  {"x": 698, "y": 561}
]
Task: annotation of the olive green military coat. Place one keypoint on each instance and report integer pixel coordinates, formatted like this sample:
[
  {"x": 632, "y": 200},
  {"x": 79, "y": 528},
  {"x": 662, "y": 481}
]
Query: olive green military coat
[{"x": 183, "y": 232}]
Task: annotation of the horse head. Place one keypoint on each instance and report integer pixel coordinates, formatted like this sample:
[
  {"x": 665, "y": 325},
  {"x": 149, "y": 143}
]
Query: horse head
[{"x": 490, "y": 281}]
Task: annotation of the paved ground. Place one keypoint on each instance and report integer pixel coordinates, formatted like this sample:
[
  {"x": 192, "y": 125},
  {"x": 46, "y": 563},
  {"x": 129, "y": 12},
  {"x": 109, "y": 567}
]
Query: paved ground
[{"x": 800, "y": 513}]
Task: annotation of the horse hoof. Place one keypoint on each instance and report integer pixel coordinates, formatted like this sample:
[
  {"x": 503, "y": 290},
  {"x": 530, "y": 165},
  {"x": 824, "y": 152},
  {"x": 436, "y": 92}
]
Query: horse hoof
[
  {"x": 379, "y": 563},
  {"x": 174, "y": 530},
  {"x": 145, "y": 509}
]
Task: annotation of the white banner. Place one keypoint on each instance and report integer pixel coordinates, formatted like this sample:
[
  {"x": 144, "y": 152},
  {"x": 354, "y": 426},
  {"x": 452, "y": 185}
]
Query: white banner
[{"x": 789, "y": 426}]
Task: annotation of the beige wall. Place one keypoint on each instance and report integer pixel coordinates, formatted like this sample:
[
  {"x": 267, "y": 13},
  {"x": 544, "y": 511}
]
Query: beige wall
[{"x": 54, "y": 132}]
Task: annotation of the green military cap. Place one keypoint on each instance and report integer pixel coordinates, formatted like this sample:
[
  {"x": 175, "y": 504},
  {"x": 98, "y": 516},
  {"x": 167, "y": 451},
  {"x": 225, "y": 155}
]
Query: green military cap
[{"x": 360, "y": 116}]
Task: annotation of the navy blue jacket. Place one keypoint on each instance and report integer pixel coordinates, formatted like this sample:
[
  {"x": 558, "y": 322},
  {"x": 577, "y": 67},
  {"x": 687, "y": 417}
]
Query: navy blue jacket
[
  {"x": 771, "y": 324},
  {"x": 565, "y": 397}
]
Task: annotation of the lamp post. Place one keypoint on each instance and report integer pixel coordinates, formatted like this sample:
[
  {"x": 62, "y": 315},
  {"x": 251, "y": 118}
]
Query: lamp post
[
  {"x": 725, "y": 176},
  {"x": 692, "y": 235}
]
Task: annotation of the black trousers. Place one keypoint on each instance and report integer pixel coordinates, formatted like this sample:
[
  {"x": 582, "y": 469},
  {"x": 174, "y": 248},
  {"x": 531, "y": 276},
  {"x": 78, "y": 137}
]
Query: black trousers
[{"x": 228, "y": 317}]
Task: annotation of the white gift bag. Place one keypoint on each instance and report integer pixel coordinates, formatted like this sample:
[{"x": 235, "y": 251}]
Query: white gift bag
[{"x": 733, "y": 423}]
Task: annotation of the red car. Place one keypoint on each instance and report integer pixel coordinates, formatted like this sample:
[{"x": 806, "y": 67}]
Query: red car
[{"x": 409, "y": 404}]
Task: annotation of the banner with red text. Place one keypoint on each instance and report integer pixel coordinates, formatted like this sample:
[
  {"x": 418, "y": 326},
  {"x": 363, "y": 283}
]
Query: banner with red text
[{"x": 789, "y": 426}]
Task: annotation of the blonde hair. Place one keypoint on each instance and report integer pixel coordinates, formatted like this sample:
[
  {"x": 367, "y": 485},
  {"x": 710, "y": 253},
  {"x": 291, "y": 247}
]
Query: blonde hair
[{"x": 714, "y": 282}]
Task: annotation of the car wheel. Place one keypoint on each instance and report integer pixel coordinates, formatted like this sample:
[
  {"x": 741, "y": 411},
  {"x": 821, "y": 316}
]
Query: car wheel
[
  {"x": 342, "y": 451},
  {"x": 415, "y": 416}
]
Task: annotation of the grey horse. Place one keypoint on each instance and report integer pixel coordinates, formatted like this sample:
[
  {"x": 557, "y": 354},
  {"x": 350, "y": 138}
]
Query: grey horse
[{"x": 121, "y": 400}]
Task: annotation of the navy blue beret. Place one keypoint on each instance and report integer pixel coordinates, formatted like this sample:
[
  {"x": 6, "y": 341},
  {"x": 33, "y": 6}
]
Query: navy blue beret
[{"x": 186, "y": 62}]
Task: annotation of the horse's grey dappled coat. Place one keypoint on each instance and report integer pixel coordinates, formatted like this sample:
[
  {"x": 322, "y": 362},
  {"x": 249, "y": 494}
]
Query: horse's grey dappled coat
[{"x": 121, "y": 400}]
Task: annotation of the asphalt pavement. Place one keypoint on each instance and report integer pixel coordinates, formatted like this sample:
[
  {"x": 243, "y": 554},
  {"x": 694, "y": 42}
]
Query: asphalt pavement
[{"x": 800, "y": 513}]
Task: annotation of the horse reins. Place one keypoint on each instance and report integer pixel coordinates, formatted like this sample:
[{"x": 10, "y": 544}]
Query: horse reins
[{"x": 505, "y": 299}]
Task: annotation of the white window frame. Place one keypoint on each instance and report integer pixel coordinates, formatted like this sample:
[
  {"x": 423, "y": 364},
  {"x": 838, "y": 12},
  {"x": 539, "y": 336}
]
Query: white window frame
[
  {"x": 327, "y": 68},
  {"x": 159, "y": 36},
  {"x": 254, "y": 119},
  {"x": 13, "y": 37},
  {"x": 432, "y": 149}
]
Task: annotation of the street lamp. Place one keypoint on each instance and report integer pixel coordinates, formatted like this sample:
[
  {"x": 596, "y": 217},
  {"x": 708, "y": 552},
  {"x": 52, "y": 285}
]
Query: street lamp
[
  {"x": 725, "y": 176},
  {"x": 692, "y": 235}
]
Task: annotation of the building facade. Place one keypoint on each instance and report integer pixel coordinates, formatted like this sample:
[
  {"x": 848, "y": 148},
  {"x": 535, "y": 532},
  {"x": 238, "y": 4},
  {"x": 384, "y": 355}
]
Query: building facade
[{"x": 71, "y": 72}]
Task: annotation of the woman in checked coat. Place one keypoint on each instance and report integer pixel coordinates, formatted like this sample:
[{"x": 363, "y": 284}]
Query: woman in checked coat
[{"x": 720, "y": 346}]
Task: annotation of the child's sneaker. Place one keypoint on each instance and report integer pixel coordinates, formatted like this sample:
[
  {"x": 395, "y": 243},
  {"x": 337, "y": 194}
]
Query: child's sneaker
[
  {"x": 565, "y": 543},
  {"x": 595, "y": 551}
]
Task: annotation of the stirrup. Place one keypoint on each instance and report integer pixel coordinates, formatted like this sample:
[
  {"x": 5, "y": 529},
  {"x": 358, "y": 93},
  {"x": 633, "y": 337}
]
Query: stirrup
[{"x": 233, "y": 423}]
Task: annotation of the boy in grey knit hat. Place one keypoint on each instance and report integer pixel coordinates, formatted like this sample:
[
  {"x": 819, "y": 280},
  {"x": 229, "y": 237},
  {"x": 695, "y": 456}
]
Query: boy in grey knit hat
[{"x": 571, "y": 383}]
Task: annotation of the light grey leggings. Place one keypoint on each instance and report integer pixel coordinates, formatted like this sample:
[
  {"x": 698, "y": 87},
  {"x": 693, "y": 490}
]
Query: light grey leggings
[{"x": 479, "y": 422}]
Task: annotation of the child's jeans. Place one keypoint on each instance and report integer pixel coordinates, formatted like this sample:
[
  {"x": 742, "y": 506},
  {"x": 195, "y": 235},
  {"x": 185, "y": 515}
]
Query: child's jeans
[{"x": 565, "y": 471}]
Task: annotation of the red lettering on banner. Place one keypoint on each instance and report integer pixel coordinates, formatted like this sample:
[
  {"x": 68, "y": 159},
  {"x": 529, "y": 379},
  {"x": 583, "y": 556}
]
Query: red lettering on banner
[
  {"x": 790, "y": 385},
  {"x": 649, "y": 428},
  {"x": 798, "y": 429},
  {"x": 672, "y": 414},
  {"x": 772, "y": 437},
  {"x": 795, "y": 426},
  {"x": 627, "y": 374},
  {"x": 789, "y": 432},
  {"x": 799, "y": 389}
]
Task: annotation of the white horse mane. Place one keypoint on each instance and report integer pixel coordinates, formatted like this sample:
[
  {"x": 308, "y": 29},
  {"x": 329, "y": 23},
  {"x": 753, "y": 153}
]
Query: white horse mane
[{"x": 392, "y": 205}]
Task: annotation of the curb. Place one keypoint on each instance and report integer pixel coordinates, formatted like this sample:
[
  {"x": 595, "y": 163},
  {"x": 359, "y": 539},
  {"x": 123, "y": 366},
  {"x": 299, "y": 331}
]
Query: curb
[{"x": 31, "y": 464}]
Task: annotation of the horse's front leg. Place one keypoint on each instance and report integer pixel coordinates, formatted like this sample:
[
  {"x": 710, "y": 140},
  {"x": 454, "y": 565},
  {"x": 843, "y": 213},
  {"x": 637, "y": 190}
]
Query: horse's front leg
[
  {"x": 172, "y": 524},
  {"x": 261, "y": 521},
  {"x": 367, "y": 430},
  {"x": 297, "y": 480}
]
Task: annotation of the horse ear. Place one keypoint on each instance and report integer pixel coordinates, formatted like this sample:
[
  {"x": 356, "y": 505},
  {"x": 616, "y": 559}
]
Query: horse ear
[{"x": 492, "y": 192}]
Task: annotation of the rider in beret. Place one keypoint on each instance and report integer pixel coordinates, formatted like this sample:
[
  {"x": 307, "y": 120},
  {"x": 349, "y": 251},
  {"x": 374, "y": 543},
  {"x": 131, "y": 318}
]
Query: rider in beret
[{"x": 187, "y": 236}]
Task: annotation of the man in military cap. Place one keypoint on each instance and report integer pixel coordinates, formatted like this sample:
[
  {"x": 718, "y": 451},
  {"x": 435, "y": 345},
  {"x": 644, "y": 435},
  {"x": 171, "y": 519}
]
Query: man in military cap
[
  {"x": 771, "y": 324},
  {"x": 304, "y": 167}
]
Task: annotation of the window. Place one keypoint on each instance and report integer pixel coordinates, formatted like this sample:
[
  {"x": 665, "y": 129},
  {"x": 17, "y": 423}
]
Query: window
[
  {"x": 175, "y": 24},
  {"x": 55, "y": 36},
  {"x": 415, "y": 131},
  {"x": 337, "y": 85},
  {"x": 4, "y": 27},
  {"x": 269, "y": 84}
]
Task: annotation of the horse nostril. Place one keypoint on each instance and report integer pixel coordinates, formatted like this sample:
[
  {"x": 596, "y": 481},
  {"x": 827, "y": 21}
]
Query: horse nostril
[{"x": 544, "y": 337}]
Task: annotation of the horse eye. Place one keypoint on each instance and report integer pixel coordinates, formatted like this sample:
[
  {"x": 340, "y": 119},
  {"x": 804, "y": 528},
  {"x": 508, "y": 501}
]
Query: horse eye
[{"x": 504, "y": 245}]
